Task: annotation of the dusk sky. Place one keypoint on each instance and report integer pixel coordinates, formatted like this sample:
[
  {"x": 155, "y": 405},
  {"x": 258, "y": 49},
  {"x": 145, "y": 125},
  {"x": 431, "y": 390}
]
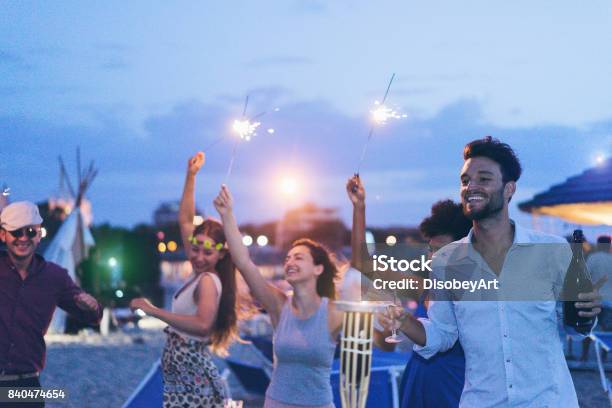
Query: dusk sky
[{"x": 142, "y": 85}]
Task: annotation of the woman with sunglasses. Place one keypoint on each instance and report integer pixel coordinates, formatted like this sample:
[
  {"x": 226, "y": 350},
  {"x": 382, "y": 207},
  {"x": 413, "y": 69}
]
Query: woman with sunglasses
[
  {"x": 305, "y": 323},
  {"x": 204, "y": 311}
]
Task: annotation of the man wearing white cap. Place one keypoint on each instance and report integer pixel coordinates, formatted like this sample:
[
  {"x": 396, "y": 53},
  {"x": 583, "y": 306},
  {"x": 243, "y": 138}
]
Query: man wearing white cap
[{"x": 30, "y": 289}]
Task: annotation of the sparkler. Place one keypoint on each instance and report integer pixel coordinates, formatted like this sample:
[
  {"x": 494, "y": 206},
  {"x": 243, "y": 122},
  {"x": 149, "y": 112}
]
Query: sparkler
[
  {"x": 245, "y": 128},
  {"x": 6, "y": 191},
  {"x": 383, "y": 113},
  {"x": 380, "y": 115}
]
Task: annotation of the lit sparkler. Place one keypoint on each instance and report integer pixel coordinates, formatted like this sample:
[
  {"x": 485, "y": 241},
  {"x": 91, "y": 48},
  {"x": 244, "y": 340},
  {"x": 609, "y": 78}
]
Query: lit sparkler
[
  {"x": 380, "y": 115},
  {"x": 245, "y": 128}
]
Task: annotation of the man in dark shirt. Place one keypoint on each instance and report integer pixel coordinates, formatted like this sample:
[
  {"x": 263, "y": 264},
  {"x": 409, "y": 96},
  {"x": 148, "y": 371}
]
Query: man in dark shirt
[{"x": 30, "y": 289}]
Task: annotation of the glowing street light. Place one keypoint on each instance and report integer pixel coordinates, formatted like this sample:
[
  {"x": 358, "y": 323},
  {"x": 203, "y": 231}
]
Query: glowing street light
[
  {"x": 198, "y": 220},
  {"x": 600, "y": 159},
  {"x": 161, "y": 247},
  {"x": 247, "y": 240},
  {"x": 112, "y": 262},
  {"x": 262, "y": 240},
  {"x": 119, "y": 293},
  {"x": 172, "y": 246},
  {"x": 391, "y": 240},
  {"x": 288, "y": 185}
]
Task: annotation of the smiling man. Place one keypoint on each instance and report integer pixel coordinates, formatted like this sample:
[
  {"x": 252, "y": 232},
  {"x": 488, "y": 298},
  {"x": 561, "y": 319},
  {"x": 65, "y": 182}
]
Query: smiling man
[
  {"x": 30, "y": 289},
  {"x": 513, "y": 352}
]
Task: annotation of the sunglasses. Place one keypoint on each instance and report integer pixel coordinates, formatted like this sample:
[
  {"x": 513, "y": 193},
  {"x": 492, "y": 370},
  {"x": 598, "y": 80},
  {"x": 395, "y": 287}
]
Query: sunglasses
[{"x": 30, "y": 232}]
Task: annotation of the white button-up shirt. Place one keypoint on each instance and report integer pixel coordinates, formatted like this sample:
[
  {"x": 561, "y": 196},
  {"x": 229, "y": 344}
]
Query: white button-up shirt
[{"x": 514, "y": 356}]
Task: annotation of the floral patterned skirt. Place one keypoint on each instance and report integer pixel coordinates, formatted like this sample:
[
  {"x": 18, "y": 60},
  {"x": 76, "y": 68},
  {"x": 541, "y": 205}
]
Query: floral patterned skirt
[{"x": 191, "y": 379}]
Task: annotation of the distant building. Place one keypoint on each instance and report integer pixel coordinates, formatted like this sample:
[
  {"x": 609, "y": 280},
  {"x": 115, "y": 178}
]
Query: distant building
[{"x": 167, "y": 214}]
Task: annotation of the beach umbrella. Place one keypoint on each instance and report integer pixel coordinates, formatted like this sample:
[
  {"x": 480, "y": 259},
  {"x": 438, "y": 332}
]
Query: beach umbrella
[{"x": 585, "y": 199}]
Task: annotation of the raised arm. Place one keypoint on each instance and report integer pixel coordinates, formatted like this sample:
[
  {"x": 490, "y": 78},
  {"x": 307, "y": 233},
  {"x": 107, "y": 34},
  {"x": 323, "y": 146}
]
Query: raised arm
[
  {"x": 360, "y": 258},
  {"x": 356, "y": 194},
  {"x": 271, "y": 298},
  {"x": 187, "y": 206}
]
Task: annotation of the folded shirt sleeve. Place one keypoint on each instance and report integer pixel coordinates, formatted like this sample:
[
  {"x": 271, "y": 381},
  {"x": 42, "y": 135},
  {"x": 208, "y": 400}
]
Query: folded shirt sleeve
[{"x": 440, "y": 329}]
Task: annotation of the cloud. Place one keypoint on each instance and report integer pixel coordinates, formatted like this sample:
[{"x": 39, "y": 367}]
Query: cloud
[
  {"x": 115, "y": 56},
  {"x": 8, "y": 57},
  {"x": 275, "y": 61},
  {"x": 409, "y": 163},
  {"x": 18, "y": 90},
  {"x": 114, "y": 64},
  {"x": 310, "y": 6},
  {"x": 113, "y": 47},
  {"x": 14, "y": 60}
]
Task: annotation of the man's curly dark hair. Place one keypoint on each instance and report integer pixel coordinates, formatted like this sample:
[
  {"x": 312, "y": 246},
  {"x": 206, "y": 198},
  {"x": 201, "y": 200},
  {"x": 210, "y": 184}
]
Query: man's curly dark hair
[{"x": 499, "y": 152}]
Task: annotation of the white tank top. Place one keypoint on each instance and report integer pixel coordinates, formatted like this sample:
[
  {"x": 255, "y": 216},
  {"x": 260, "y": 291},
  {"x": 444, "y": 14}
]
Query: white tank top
[{"x": 184, "y": 304}]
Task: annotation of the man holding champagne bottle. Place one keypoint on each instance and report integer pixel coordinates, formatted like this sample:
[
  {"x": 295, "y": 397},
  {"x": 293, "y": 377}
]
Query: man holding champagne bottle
[{"x": 514, "y": 356}]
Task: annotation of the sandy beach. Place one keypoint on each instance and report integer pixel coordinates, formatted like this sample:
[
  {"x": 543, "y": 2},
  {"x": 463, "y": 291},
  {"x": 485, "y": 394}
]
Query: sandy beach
[
  {"x": 101, "y": 372},
  {"x": 98, "y": 371}
]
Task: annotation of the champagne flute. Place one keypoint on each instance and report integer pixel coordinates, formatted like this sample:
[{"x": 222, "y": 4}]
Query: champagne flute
[{"x": 394, "y": 338}]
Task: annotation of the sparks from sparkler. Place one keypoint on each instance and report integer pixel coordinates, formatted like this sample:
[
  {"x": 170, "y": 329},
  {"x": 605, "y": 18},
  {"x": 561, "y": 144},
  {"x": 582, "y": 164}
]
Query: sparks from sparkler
[
  {"x": 380, "y": 115},
  {"x": 245, "y": 128},
  {"x": 6, "y": 191}
]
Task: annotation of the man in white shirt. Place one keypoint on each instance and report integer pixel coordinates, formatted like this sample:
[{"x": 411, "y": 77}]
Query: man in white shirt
[{"x": 514, "y": 356}]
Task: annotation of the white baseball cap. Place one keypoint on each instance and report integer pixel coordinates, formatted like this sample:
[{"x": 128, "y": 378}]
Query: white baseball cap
[{"x": 19, "y": 214}]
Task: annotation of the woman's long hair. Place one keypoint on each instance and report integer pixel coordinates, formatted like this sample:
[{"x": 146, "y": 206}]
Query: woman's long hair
[
  {"x": 225, "y": 329},
  {"x": 326, "y": 286}
]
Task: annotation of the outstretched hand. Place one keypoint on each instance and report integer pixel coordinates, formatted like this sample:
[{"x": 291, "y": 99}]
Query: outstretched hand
[
  {"x": 86, "y": 302},
  {"x": 355, "y": 190},
  {"x": 143, "y": 304},
  {"x": 195, "y": 163},
  {"x": 224, "y": 201}
]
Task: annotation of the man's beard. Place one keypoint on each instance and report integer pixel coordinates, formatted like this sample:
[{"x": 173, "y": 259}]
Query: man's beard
[{"x": 494, "y": 206}]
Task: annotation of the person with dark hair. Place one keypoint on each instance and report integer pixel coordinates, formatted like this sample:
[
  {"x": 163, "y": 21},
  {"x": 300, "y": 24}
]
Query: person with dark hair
[
  {"x": 435, "y": 382},
  {"x": 513, "y": 351},
  {"x": 305, "y": 323},
  {"x": 204, "y": 311},
  {"x": 446, "y": 224}
]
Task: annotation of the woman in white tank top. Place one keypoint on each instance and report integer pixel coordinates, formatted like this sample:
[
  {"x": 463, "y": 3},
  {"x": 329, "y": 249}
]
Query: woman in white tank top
[
  {"x": 305, "y": 324},
  {"x": 204, "y": 310}
]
